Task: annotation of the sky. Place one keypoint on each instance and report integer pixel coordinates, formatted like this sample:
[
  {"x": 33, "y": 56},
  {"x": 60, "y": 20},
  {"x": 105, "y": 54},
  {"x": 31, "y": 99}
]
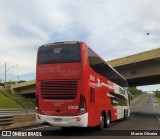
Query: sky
[{"x": 113, "y": 28}]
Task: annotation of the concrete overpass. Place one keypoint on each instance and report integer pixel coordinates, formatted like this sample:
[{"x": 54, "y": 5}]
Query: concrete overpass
[
  {"x": 24, "y": 88},
  {"x": 139, "y": 69}
]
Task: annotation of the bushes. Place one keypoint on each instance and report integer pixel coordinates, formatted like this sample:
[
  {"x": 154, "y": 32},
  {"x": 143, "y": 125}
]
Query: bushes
[
  {"x": 157, "y": 93},
  {"x": 135, "y": 92}
]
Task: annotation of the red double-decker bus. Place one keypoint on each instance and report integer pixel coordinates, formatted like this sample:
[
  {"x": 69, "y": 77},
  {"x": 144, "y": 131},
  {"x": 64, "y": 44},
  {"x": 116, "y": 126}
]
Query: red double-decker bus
[{"x": 76, "y": 88}]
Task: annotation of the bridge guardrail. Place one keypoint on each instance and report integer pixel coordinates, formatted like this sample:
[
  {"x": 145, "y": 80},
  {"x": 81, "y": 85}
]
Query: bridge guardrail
[
  {"x": 6, "y": 119},
  {"x": 8, "y": 122},
  {"x": 16, "y": 111}
]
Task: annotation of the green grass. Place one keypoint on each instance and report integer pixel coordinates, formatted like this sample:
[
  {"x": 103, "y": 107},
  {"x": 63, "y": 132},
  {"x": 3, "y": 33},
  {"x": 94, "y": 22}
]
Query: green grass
[
  {"x": 7, "y": 103},
  {"x": 141, "y": 102},
  {"x": 13, "y": 101},
  {"x": 136, "y": 96},
  {"x": 158, "y": 100}
]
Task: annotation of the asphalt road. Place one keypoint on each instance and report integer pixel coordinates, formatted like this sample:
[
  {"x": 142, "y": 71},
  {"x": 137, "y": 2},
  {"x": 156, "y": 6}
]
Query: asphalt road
[{"x": 145, "y": 117}]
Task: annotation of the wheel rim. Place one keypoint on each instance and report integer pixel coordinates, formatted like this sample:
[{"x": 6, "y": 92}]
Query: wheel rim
[
  {"x": 108, "y": 119},
  {"x": 102, "y": 121}
]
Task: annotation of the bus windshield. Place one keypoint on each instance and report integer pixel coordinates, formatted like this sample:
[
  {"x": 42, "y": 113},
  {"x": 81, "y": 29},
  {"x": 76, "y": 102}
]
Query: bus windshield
[{"x": 59, "y": 53}]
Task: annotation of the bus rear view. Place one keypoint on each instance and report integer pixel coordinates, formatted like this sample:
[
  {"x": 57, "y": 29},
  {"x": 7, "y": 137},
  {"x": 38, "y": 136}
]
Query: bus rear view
[
  {"x": 75, "y": 87},
  {"x": 59, "y": 100}
]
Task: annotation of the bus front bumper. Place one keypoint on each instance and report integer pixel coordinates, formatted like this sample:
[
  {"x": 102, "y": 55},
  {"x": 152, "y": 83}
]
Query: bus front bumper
[{"x": 64, "y": 121}]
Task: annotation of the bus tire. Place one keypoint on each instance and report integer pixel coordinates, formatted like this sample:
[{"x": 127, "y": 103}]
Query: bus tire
[
  {"x": 125, "y": 115},
  {"x": 108, "y": 120},
  {"x": 102, "y": 122}
]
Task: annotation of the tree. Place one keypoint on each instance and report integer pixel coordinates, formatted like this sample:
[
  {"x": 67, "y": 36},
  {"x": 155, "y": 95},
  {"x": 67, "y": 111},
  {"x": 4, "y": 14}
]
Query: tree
[
  {"x": 135, "y": 92},
  {"x": 157, "y": 93}
]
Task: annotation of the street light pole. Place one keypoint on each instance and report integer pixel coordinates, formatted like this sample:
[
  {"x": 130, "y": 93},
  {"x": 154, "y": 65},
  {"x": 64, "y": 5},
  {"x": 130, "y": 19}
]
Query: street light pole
[{"x": 6, "y": 73}]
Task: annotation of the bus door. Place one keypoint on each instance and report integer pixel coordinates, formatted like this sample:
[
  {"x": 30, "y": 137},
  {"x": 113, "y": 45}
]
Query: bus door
[
  {"x": 119, "y": 107},
  {"x": 94, "y": 105}
]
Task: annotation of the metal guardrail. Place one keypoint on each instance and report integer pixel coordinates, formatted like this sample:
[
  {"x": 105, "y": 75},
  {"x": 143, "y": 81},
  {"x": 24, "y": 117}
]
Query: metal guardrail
[
  {"x": 6, "y": 119},
  {"x": 12, "y": 111}
]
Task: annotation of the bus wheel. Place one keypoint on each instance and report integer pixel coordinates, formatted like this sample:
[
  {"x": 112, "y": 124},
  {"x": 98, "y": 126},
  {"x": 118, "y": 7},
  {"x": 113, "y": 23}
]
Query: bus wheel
[
  {"x": 125, "y": 114},
  {"x": 108, "y": 120},
  {"x": 102, "y": 122}
]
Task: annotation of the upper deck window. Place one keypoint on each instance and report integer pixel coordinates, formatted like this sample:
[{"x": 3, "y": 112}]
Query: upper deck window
[
  {"x": 59, "y": 53},
  {"x": 102, "y": 68}
]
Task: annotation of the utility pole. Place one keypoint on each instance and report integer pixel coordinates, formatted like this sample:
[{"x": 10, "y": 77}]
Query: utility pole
[
  {"x": 5, "y": 80},
  {"x": 5, "y": 76},
  {"x": 18, "y": 78}
]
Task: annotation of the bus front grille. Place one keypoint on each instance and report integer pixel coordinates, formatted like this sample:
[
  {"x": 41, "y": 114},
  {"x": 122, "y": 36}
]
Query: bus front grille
[{"x": 59, "y": 89}]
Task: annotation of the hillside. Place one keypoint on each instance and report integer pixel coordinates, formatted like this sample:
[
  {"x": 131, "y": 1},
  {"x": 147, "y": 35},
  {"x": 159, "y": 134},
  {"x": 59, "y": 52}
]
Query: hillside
[{"x": 8, "y": 100}]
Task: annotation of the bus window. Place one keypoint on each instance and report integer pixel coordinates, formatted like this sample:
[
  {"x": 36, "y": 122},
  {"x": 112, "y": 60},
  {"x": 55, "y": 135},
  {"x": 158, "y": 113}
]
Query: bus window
[{"x": 59, "y": 53}]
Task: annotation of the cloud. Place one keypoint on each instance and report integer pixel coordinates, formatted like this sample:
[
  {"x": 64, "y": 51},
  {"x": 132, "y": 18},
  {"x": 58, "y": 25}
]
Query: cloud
[
  {"x": 149, "y": 88},
  {"x": 113, "y": 29}
]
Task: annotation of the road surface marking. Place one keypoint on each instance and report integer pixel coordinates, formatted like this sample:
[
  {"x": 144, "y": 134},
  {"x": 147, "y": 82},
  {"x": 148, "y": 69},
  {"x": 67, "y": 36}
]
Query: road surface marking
[
  {"x": 154, "y": 104},
  {"x": 156, "y": 112},
  {"x": 37, "y": 128}
]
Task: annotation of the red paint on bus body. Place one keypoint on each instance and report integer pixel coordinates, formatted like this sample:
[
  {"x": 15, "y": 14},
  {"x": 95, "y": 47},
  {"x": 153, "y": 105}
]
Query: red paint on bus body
[{"x": 72, "y": 89}]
